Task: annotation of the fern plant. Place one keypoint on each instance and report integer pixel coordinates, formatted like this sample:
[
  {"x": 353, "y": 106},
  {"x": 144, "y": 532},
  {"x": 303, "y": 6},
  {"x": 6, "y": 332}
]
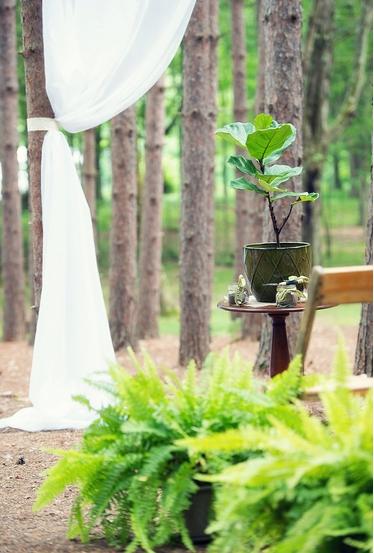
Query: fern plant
[
  {"x": 312, "y": 489},
  {"x": 132, "y": 477}
]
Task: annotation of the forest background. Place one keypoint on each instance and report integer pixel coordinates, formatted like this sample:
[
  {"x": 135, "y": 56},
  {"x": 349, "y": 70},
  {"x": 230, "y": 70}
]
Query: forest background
[{"x": 344, "y": 183}]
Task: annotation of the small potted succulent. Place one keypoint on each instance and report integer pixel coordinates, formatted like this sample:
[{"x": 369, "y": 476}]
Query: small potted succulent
[{"x": 265, "y": 140}]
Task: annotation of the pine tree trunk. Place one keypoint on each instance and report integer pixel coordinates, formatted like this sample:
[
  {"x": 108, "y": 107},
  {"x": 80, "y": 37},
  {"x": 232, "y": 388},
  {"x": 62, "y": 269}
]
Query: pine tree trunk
[
  {"x": 364, "y": 348},
  {"x": 122, "y": 300},
  {"x": 318, "y": 64},
  {"x": 281, "y": 25},
  {"x": 89, "y": 177},
  {"x": 251, "y": 204},
  {"x": 12, "y": 255},
  {"x": 239, "y": 80},
  {"x": 212, "y": 83},
  {"x": 195, "y": 235},
  {"x": 243, "y": 199},
  {"x": 38, "y": 105},
  {"x": 151, "y": 220}
]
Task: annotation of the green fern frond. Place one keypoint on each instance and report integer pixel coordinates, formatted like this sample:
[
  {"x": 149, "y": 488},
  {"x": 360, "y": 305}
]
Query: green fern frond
[
  {"x": 77, "y": 524},
  {"x": 231, "y": 440},
  {"x": 74, "y": 468},
  {"x": 303, "y": 493},
  {"x": 175, "y": 499},
  {"x": 285, "y": 387},
  {"x": 341, "y": 370},
  {"x": 139, "y": 427},
  {"x": 155, "y": 464}
]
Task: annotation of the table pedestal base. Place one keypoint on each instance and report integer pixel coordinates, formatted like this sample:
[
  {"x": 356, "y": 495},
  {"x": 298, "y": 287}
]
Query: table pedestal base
[{"x": 279, "y": 353}]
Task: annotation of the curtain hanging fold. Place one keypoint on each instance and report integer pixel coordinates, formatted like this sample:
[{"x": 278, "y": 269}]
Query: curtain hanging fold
[{"x": 100, "y": 57}]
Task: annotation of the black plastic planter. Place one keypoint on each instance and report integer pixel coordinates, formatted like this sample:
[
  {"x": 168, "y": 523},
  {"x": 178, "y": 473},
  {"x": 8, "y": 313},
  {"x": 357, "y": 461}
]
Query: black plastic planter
[{"x": 197, "y": 515}]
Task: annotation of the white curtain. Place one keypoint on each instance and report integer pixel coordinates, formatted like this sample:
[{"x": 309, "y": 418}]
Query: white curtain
[{"x": 100, "y": 57}]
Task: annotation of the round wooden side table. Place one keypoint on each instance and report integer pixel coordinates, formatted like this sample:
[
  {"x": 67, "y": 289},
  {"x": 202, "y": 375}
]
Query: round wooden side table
[{"x": 279, "y": 352}]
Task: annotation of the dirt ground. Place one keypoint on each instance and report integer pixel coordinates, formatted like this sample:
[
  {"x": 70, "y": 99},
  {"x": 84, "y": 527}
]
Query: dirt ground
[{"x": 22, "y": 458}]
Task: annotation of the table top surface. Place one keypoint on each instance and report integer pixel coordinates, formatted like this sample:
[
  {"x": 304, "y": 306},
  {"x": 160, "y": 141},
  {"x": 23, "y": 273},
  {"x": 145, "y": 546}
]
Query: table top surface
[{"x": 269, "y": 309}]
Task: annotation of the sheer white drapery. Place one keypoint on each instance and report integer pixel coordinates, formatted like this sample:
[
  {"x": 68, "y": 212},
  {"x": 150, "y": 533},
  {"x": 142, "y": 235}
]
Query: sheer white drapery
[{"x": 100, "y": 57}]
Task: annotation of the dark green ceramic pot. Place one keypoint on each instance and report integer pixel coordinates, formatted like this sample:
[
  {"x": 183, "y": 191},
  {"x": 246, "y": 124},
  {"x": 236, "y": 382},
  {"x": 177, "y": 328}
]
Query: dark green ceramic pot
[{"x": 265, "y": 263}]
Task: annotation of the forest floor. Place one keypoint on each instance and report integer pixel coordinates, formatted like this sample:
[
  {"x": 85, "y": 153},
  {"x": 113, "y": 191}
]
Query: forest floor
[{"x": 23, "y": 457}]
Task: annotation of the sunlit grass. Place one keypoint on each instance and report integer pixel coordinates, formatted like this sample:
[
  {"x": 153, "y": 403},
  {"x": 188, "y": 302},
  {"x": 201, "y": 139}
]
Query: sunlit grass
[{"x": 341, "y": 315}]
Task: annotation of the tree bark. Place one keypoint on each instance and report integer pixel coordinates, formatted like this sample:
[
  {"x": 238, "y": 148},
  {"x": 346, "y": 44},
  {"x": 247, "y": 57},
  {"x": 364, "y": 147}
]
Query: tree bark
[
  {"x": 317, "y": 82},
  {"x": 12, "y": 254},
  {"x": 38, "y": 105},
  {"x": 212, "y": 83},
  {"x": 281, "y": 25},
  {"x": 195, "y": 235},
  {"x": 283, "y": 96},
  {"x": 251, "y": 326},
  {"x": 89, "y": 177},
  {"x": 122, "y": 300},
  {"x": 239, "y": 81},
  {"x": 364, "y": 349},
  {"x": 151, "y": 221}
]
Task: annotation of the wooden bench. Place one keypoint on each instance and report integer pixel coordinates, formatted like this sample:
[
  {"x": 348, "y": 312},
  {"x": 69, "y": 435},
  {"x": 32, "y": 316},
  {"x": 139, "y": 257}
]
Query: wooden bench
[{"x": 335, "y": 286}]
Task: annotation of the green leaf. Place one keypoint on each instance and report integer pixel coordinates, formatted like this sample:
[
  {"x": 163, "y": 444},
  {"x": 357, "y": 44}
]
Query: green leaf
[
  {"x": 243, "y": 184},
  {"x": 236, "y": 133},
  {"x": 268, "y": 187},
  {"x": 267, "y": 145},
  {"x": 277, "y": 174},
  {"x": 306, "y": 197},
  {"x": 301, "y": 196},
  {"x": 243, "y": 164},
  {"x": 277, "y": 153},
  {"x": 263, "y": 121}
]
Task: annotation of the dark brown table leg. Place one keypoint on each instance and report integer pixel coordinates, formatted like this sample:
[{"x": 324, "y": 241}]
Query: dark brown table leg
[{"x": 279, "y": 353}]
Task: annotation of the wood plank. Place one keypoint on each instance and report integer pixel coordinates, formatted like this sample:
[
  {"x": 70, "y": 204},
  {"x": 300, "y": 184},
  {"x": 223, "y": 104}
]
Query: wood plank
[{"x": 357, "y": 384}]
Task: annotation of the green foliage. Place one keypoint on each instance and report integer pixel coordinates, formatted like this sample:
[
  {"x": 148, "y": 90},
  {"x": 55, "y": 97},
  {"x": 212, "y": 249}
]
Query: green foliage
[
  {"x": 312, "y": 488},
  {"x": 265, "y": 141},
  {"x": 133, "y": 476}
]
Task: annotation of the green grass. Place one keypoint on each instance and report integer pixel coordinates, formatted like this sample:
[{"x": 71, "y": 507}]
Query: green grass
[{"x": 341, "y": 315}]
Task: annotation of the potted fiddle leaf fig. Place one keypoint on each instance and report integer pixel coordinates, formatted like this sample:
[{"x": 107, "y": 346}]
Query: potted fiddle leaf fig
[{"x": 265, "y": 140}]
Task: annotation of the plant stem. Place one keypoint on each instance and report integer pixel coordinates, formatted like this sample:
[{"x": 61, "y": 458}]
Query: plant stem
[
  {"x": 274, "y": 220},
  {"x": 286, "y": 219}
]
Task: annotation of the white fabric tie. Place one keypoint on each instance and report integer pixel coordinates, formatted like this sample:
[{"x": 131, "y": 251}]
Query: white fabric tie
[{"x": 42, "y": 124}]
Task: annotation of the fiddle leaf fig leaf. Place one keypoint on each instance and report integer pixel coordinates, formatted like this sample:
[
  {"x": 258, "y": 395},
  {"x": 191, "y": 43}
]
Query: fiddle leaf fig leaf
[
  {"x": 267, "y": 186},
  {"x": 243, "y": 164},
  {"x": 243, "y": 184},
  {"x": 276, "y": 155},
  {"x": 263, "y": 121},
  {"x": 267, "y": 145},
  {"x": 277, "y": 174},
  {"x": 307, "y": 197},
  {"x": 301, "y": 196},
  {"x": 236, "y": 133}
]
